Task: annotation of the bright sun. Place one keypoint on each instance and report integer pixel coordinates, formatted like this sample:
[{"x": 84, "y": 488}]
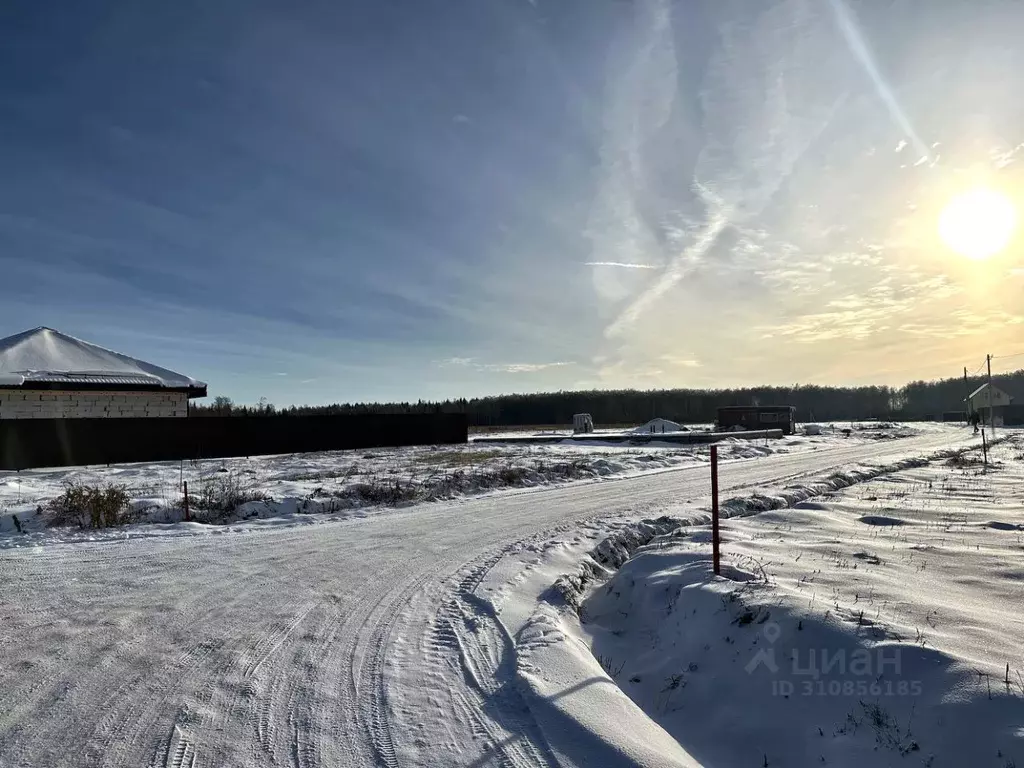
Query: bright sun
[{"x": 978, "y": 224}]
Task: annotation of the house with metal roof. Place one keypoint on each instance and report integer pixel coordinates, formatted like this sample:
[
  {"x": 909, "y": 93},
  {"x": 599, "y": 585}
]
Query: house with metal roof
[
  {"x": 46, "y": 374},
  {"x": 988, "y": 398},
  {"x": 658, "y": 426}
]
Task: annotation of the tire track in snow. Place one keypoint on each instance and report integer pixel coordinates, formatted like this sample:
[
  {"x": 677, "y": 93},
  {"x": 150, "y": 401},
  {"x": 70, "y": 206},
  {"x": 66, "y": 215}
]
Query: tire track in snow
[
  {"x": 194, "y": 686},
  {"x": 271, "y": 688},
  {"x": 180, "y": 752},
  {"x": 470, "y": 662},
  {"x": 370, "y": 678},
  {"x": 274, "y": 641},
  {"x": 106, "y": 738}
]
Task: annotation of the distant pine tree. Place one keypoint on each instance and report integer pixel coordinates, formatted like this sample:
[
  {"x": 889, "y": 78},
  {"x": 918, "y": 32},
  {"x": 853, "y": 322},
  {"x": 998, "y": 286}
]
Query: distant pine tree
[{"x": 917, "y": 400}]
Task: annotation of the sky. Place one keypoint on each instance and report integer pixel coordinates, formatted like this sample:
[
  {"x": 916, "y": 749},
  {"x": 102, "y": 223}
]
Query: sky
[{"x": 349, "y": 201}]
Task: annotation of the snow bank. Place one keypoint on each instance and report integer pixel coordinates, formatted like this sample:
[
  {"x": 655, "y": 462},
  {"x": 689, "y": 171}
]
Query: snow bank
[
  {"x": 741, "y": 673},
  {"x": 878, "y": 627},
  {"x": 585, "y": 718}
]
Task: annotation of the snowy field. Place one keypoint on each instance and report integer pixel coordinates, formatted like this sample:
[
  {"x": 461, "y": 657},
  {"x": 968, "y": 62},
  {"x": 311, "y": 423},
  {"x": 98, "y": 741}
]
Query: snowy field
[
  {"x": 287, "y": 489},
  {"x": 430, "y": 634},
  {"x": 877, "y": 625}
]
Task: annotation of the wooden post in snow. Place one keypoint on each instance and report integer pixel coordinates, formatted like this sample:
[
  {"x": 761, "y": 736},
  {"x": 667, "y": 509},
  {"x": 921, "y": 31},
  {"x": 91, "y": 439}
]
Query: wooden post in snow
[
  {"x": 187, "y": 517},
  {"x": 715, "y": 540}
]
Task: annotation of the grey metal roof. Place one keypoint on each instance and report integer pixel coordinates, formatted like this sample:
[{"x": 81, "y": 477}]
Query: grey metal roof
[
  {"x": 982, "y": 388},
  {"x": 92, "y": 378},
  {"x": 46, "y": 356}
]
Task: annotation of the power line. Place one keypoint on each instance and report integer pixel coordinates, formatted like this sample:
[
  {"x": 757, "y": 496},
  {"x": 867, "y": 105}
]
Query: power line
[{"x": 1003, "y": 357}]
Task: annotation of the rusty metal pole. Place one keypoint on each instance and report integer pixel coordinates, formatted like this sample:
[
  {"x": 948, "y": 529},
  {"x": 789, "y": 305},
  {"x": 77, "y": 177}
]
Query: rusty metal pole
[
  {"x": 187, "y": 517},
  {"x": 715, "y": 540}
]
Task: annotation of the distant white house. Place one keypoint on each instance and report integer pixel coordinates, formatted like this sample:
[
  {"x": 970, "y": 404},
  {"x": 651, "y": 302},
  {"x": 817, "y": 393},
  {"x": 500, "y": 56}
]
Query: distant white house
[
  {"x": 657, "y": 427},
  {"x": 988, "y": 397},
  {"x": 45, "y": 374}
]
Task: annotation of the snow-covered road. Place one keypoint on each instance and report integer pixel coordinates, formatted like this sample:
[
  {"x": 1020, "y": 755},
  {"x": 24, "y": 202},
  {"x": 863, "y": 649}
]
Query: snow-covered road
[{"x": 320, "y": 645}]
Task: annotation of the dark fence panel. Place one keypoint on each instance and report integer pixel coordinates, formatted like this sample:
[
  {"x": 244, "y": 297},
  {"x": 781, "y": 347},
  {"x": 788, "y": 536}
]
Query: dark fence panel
[
  {"x": 29, "y": 443},
  {"x": 1013, "y": 415}
]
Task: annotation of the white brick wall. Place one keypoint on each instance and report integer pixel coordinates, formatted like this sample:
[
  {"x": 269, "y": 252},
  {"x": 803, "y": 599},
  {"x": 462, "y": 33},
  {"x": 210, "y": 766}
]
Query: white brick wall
[{"x": 43, "y": 404}]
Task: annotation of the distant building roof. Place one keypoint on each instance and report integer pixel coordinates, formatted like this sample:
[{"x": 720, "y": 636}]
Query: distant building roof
[
  {"x": 998, "y": 397},
  {"x": 983, "y": 387},
  {"x": 658, "y": 425},
  {"x": 45, "y": 358}
]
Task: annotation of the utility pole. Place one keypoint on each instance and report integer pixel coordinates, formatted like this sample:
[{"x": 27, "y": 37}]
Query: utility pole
[
  {"x": 991, "y": 406},
  {"x": 967, "y": 396}
]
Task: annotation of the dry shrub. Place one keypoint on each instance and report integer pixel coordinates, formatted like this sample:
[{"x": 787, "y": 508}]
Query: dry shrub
[
  {"x": 90, "y": 506},
  {"x": 459, "y": 482},
  {"x": 379, "y": 492},
  {"x": 962, "y": 461},
  {"x": 221, "y": 495}
]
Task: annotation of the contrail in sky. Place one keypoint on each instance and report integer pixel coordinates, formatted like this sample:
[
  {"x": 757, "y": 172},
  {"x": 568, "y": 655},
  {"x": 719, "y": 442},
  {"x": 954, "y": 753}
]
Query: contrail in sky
[
  {"x": 859, "y": 48},
  {"x": 674, "y": 272},
  {"x": 618, "y": 264}
]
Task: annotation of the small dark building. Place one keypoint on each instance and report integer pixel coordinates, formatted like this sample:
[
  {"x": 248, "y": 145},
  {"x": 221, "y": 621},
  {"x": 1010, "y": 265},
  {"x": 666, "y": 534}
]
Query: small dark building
[
  {"x": 758, "y": 417},
  {"x": 1013, "y": 415}
]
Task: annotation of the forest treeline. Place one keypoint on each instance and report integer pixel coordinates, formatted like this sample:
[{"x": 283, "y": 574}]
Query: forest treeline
[{"x": 917, "y": 400}]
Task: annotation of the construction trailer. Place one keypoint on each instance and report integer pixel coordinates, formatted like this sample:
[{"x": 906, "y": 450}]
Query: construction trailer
[
  {"x": 753, "y": 417},
  {"x": 582, "y": 424}
]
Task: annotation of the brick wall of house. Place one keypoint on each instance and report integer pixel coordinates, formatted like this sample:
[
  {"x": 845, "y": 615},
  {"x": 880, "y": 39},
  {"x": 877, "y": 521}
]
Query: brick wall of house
[{"x": 43, "y": 404}]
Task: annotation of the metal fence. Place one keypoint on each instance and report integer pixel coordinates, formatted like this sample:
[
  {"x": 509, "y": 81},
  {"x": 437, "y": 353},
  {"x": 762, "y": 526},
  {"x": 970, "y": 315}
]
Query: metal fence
[{"x": 32, "y": 443}]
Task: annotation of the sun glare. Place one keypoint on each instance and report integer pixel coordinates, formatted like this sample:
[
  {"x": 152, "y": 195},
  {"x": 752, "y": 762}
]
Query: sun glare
[{"x": 978, "y": 224}]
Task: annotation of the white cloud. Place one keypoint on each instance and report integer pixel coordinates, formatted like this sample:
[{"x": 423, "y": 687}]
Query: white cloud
[
  {"x": 525, "y": 367},
  {"x": 625, "y": 265},
  {"x": 469, "y": 362},
  {"x": 683, "y": 362},
  {"x": 1004, "y": 156}
]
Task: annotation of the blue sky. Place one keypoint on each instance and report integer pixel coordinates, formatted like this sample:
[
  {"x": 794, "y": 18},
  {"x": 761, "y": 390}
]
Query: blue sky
[{"x": 330, "y": 201}]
